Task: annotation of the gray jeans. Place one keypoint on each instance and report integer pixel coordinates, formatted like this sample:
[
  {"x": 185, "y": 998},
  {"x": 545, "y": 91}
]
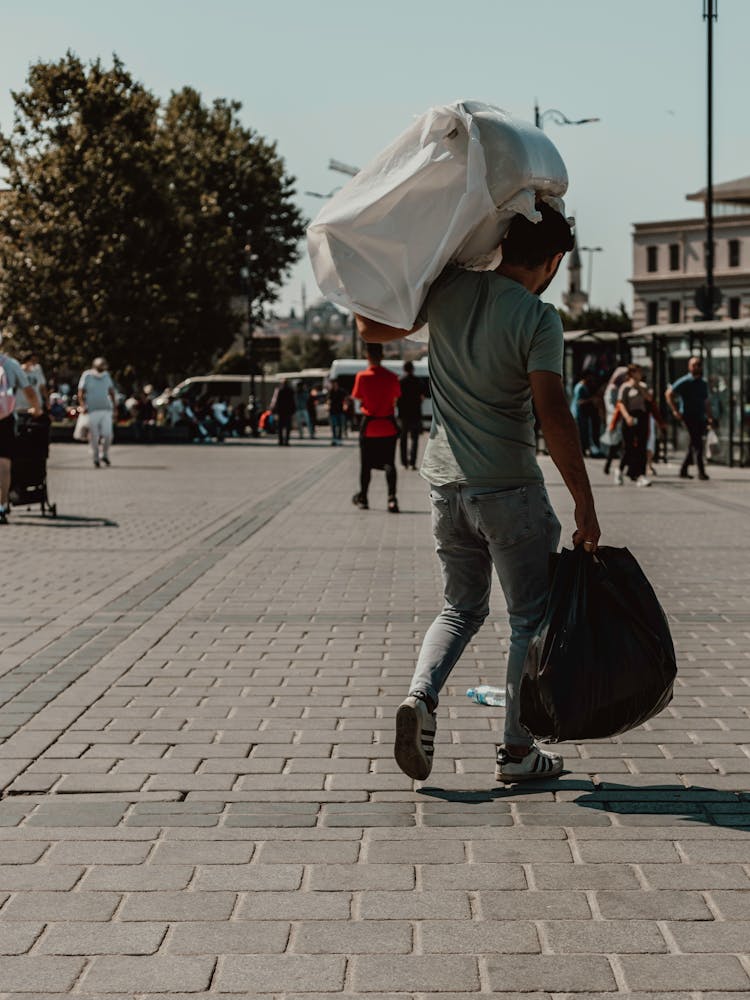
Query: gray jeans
[{"x": 475, "y": 528}]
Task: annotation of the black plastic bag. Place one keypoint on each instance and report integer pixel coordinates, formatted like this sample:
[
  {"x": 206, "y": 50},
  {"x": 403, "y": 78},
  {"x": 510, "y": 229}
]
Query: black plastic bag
[{"x": 603, "y": 660}]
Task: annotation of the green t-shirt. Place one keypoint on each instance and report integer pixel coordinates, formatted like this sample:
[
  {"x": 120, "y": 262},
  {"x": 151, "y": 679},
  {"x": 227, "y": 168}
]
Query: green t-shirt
[{"x": 487, "y": 333}]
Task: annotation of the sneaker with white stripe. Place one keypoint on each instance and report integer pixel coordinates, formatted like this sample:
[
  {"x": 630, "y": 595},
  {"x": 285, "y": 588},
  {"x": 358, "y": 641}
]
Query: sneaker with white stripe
[
  {"x": 535, "y": 764},
  {"x": 415, "y": 738}
]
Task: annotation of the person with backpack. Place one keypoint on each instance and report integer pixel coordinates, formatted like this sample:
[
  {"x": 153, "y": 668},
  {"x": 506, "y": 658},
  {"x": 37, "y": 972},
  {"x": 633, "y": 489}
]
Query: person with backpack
[
  {"x": 494, "y": 347},
  {"x": 13, "y": 383}
]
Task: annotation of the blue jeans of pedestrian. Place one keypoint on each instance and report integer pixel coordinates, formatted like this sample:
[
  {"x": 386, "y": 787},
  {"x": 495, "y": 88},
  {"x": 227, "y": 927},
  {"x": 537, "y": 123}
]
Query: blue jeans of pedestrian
[
  {"x": 337, "y": 425},
  {"x": 476, "y": 528}
]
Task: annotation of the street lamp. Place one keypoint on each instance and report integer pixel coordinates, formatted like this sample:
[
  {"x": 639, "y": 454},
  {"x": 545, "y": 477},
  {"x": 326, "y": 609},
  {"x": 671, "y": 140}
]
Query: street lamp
[
  {"x": 590, "y": 251},
  {"x": 558, "y": 118},
  {"x": 246, "y": 273}
]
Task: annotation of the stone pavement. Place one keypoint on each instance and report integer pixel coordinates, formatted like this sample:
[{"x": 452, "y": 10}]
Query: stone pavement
[{"x": 199, "y": 663}]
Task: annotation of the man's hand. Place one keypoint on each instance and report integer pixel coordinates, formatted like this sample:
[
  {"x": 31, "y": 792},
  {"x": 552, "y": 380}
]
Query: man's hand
[{"x": 587, "y": 531}]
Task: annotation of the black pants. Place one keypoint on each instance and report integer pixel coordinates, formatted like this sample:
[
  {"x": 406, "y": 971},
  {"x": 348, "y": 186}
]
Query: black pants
[
  {"x": 635, "y": 439},
  {"x": 696, "y": 429},
  {"x": 410, "y": 431},
  {"x": 285, "y": 427},
  {"x": 377, "y": 453}
]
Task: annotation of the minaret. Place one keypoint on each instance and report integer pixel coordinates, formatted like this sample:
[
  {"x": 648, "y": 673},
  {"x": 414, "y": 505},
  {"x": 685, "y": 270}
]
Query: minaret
[{"x": 575, "y": 299}]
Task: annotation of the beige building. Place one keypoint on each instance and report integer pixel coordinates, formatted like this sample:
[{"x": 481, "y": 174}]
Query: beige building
[{"x": 669, "y": 265}]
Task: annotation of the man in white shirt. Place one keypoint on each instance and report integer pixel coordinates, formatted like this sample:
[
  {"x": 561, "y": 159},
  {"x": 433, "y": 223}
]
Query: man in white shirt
[
  {"x": 36, "y": 379},
  {"x": 96, "y": 397}
]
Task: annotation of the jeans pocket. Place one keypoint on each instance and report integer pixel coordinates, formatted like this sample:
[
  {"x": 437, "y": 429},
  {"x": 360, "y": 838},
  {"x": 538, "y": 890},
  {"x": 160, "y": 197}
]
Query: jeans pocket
[
  {"x": 503, "y": 516},
  {"x": 442, "y": 522}
]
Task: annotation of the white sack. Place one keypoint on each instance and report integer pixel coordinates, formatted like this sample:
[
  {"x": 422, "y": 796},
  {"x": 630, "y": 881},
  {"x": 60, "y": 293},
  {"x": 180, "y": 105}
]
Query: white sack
[{"x": 445, "y": 190}]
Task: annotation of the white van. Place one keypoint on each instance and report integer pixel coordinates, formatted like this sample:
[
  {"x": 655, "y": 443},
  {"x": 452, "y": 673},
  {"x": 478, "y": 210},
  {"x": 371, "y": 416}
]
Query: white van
[{"x": 345, "y": 369}]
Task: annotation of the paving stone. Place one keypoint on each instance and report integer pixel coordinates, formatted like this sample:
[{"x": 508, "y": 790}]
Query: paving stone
[
  {"x": 419, "y": 852},
  {"x": 661, "y": 905},
  {"x": 554, "y": 973},
  {"x": 197, "y": 853},
  {"x": 89, "y": 852},
  {"x": 129, "y": 878},
  {"x": 175, "y": 906},
  {"x": 416, "y": 973},
  {"x": 704, "y": 876},
  {"x": 376, "y": 905},
  {"x": 295, "y": 906},
  {"x": 362, "y": 876},
  {"x": 535, "y": 905},
  {"x": 15, "y": 877},
  {"x": 308, "y": 852},
  {"x": 43, "y": 973},
  {"x": 684, "y": 972},
  {"x": 227, "y": 938},
  {"x": 731, "y": 904},
  {"x": 475, "y": 937},
  {"x": 380, "y": 937},
  {"x": 587, "y": 876},
  {"x": 629, "y": 851},
  {"x": 277, "y": 974},
  {"x": 102, "y": 939},
  {"x": 146, "y": 975},
  {"x": 16, "y": 939},
  {"x": 718, "y": 937},
  {"x": 603, "y": 936}
]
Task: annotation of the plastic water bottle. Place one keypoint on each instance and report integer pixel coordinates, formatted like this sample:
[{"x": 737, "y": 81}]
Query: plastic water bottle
[{"x": 486, "y": 695}]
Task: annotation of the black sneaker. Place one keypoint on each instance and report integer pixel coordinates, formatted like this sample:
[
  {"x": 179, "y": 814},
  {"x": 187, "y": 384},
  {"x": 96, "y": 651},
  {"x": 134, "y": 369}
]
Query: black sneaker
[
  {"x": 393, "y": 505},
  {"x": 3, "y": 515},
  {"x": 106, "y": 460},
  {"x": 535, "y": 764},
  {"x": 416, "y": 726},
  {"x": 359, "y": 501}
]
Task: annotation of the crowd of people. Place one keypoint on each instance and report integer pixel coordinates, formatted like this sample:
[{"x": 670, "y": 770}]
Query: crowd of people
[{"x": 621, "y": 421}]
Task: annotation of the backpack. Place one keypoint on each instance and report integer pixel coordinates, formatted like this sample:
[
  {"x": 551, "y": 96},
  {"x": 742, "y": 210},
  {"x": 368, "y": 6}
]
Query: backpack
[{"x": 7, "y": 399}]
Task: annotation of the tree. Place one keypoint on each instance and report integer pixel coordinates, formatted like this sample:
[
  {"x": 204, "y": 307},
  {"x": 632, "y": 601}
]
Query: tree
[
  {"x": 599, "y": 319},
  {"x": 125, "y": 228},
  {"x": 304, "y": 351}
]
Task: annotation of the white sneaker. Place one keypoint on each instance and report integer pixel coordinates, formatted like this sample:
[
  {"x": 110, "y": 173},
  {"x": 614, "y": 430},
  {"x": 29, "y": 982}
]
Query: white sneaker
[
  {"x": 617, "y": 475},
  {"x": 536, "y": 764},
  {"x": 643, "y": 481},
  {"x": 415, "y": 738}
]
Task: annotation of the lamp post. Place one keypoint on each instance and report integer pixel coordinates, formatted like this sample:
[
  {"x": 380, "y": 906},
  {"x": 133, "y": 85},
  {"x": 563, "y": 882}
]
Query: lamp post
[
  {"x": 246, "y": 273},
  {"x": 558, "y": 118},
  {"x": 590, "y": 251}
]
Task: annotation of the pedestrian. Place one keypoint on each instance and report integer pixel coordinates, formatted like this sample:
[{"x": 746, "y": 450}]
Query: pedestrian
[
  {"x": 612, "y": 437},
  {"x": 14, "y": 386},
  {"x": 583, "y": 409},
  {"x": 634, "y": 404},
  {"x": 312, "y": 411},
  {"x": 494, "y": 346},
  {"x": 336, "y": 400},
  {"x": 377, "y": 389},
  {"x": 96, "y": 397},
  {"x": 410, "y": 415},
  {"x": 301, "y": 397},
  {"x": 694, "y": 411},
  {"x": 282, "y": 408},
  {"x": 37, "y": 381}
]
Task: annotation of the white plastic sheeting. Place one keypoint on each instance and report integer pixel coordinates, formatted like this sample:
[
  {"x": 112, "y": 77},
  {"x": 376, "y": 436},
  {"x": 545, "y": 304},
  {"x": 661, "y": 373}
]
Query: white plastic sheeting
[{"x": 445, "y": 190}]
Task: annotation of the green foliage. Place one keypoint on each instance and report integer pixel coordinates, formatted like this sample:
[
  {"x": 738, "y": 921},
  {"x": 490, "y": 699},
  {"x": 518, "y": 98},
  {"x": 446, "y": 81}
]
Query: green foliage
[
  {"x": 304, "y": 351},
  {"x": 125, "y": 228},
  {"x": 599, "y": 319}
]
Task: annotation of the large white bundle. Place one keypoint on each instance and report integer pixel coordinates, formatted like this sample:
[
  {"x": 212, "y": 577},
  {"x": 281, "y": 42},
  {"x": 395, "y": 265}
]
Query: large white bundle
[{"x": 445, "y": 190}]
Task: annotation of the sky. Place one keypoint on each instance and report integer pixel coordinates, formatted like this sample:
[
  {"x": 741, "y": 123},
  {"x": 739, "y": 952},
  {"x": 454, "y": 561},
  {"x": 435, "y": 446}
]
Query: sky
[{"x": 342, "y": 78}]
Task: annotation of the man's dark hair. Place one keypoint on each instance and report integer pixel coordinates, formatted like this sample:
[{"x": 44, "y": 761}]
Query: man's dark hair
[
  {"x": 529, "y": 244},
  {"x": 374, "y": 351},
  {"x": 409, "y": 367}
]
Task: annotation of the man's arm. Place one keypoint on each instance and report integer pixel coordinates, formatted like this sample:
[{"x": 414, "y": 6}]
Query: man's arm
[
  {"x": 563, "y": 442},
  {"x": 32, "y": 398},
  {"x": 669, "y": 396},
  {"x": 373, "y": 332}
]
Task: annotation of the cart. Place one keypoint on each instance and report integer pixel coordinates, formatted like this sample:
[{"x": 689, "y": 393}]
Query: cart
[{"x": 28, "y": 483}]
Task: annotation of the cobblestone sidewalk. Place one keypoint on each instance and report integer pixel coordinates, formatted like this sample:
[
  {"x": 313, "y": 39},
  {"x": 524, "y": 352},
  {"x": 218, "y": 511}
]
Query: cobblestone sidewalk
[{"x": 199, "y": 664}]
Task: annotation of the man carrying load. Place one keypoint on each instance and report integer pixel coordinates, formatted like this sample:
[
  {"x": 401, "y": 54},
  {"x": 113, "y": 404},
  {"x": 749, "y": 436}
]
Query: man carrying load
[{"x": 494, "y": 348}]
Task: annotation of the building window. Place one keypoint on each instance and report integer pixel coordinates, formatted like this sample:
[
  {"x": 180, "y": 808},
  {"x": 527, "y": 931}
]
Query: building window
[
  {"x": 734, "y": 307},
  {"x": 674, "y": 256},
  {"x": 653, "y": 258},
  {"x": 652, "y": 313},
  {"x": 734, "y": 253},
  {"x": 674, "y": 311}
]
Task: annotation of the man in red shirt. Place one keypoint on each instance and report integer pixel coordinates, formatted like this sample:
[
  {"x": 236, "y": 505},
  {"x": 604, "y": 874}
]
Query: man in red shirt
[{"x": 377, "y": 389}]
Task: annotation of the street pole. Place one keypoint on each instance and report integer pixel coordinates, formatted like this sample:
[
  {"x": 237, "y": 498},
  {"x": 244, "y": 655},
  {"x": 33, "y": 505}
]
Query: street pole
[
  {"x": 248, "y": 275},
  {"x": 591, "y": 251},
  {"x": 710, "y": 14},
  {"x": 537, "y": 119}
]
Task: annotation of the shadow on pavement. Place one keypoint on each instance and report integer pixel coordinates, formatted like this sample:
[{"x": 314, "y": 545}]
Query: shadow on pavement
[
  {"x": 695, "y": 804},
  {"x": 63, "y": 521}
]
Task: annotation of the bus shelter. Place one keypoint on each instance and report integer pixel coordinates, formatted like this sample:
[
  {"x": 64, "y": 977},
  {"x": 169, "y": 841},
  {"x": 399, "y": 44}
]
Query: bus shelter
[{"x": 724, "y": 346}]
